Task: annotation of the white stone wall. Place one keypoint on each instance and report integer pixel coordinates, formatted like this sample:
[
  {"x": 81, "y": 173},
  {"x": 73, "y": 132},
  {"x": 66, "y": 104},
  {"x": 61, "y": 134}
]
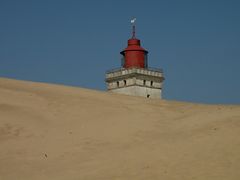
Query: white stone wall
[
  {"x": 136, "y": 82},
  {"x": 132, "y": 81},
  {"x": 139, "y": 91}
]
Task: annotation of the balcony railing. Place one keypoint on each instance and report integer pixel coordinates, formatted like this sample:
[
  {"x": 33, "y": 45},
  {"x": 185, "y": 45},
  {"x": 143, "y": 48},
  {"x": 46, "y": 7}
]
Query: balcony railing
[{"x": 121, "y": 68}]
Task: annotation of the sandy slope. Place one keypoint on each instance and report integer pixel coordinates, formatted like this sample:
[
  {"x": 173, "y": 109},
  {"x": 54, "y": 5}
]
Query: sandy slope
[{"x": 56, "y": 132}]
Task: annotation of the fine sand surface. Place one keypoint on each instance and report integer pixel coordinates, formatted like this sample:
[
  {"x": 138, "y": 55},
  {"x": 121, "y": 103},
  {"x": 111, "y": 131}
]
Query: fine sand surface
[{"x": 63, "y": 133}]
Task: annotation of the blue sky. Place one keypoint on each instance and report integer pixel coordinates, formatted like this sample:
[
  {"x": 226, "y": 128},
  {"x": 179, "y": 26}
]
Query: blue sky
[{"x": 73, "y": 42}]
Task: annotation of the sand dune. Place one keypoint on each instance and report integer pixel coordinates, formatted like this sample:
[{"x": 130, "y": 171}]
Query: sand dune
[{"x": 58, "y": 132}]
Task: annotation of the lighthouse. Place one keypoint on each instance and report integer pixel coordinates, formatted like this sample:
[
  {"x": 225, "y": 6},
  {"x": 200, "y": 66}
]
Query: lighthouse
[{"x": 134, "y": 77}]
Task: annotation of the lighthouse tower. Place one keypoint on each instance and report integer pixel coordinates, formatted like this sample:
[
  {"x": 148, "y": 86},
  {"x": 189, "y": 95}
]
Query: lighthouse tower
[{"x": 134, "y": 77}]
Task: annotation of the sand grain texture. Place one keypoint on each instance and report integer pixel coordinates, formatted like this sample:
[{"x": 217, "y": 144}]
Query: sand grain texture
[{"x": 58, "y": 132}]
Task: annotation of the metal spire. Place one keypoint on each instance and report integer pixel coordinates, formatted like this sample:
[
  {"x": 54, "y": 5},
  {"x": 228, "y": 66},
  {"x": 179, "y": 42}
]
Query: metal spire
[{"x": 133, "y": 28}]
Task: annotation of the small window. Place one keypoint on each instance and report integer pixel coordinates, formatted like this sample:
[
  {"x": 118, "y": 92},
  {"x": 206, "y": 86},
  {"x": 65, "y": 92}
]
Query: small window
[
  {"x": 148, "y": 96},
  {"x": 117, "y": 83},
  {"x": 144, "y": 82},
  {"x": 151, "y": 83},
  {"x": 125, "y": 82}
]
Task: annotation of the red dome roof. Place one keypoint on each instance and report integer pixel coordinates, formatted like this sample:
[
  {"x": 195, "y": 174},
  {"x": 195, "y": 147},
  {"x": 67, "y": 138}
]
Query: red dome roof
[{"x": 134, "y": 45}]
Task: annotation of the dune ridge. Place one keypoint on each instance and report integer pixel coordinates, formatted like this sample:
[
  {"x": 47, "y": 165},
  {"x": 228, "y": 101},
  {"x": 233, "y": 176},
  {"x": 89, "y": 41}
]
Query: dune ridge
[{"x": 57, "y": 132}]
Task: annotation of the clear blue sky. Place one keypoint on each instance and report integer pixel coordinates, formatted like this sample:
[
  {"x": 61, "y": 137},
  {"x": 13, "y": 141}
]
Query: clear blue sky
[{"x": 73, "y": 42}]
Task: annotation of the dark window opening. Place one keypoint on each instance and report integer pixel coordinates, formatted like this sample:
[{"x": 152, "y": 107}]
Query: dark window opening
[
  {"x": 148, "y": 96},
  {"x": 117, "y": 84},
  {"x": 125, "y": 82},
  {"x": 144, "y": 82},
  {"x": 151, "y": 83}
]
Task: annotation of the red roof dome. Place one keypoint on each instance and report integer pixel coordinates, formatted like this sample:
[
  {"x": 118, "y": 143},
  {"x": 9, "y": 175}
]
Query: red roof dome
[{"x": 134, "y": 45}]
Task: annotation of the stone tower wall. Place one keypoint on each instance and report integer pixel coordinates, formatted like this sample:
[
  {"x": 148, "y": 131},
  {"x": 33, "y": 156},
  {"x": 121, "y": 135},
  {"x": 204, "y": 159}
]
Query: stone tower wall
[{"x": 136, "y": 82}]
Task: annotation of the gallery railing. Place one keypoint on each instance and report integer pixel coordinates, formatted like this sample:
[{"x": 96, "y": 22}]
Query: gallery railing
[{"x": 121, "y": 68}]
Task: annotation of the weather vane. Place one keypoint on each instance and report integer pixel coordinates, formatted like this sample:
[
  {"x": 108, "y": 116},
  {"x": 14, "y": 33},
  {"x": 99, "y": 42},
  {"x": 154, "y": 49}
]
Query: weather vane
[{"x": 133, "y": 27}]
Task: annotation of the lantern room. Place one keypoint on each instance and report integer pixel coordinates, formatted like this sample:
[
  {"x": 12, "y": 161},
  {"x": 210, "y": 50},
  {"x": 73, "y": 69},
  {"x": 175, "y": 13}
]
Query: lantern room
[{"x": 134, "y": 55}]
